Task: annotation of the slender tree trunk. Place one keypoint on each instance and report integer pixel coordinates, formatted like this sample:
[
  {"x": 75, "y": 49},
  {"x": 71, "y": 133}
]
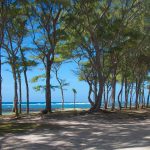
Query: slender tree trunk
[
  {"x": 1, "y": 42},
  {"x": 121, "y": 96},
  {"x": 131, "y": 93},
  {"x": 26, "y": 80},
  {"x": 107, "y": 94},
  {"x": 95, "y": 89},
  {"x": 142, "y": 96},
  {"x": 148, "y": 97},
  {"x": 20, "y": 92},
  {"x": 0, "y": 83},
  {"x": 15, "y": 91},
  {"x": 74, "y": 101},
  {"x": 119, "y": 102},
  {"x": 113, "y": 94},
  {"x": 62, "y": 95},
  {"x": 61, "y": 88},
  {"x": 48, "y": 88},
  {"x": 137, "y": 93},
  {"x": 126, "y": 92},
  {"x": 27, "y": 90},
  {"x": 105, "y": 102},
  {"x": 89, "y": 95}
]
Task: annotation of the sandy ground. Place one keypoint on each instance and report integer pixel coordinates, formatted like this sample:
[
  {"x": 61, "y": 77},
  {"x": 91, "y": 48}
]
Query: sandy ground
[{"x": 98, "y": 131}]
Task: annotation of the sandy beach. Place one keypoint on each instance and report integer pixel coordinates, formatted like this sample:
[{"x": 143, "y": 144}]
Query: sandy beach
[{"x": 98, "y": 131}]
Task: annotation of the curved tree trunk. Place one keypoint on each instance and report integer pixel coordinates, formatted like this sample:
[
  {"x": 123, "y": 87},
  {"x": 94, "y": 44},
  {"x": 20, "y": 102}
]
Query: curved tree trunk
[
  {"x": 61, "y": 88},
  {"x": 89, "y": 95},
  {"x": 120, "y": 92},
  {"x": 98, "y": 101},
  {"x": 107, "y": 95},
  {"x": 26, "y": 80}
]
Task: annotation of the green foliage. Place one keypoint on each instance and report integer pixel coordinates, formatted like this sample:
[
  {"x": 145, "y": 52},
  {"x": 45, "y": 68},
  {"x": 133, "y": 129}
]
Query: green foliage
[
  {"x": 74, "y": 91},
  {"x": 106, "y": 38},
  {"x": 36, "y": 78}
]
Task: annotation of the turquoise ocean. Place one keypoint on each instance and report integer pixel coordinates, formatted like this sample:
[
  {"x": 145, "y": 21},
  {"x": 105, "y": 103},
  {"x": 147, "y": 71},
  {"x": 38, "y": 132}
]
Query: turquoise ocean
[
  {"x": 7, "y": 107},
  {"x": 37, "y": 106}
]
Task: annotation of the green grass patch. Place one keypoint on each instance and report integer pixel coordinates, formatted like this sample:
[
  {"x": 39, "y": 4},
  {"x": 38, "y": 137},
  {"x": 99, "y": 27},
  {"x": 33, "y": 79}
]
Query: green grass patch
[{"x": 8, "y": 127}]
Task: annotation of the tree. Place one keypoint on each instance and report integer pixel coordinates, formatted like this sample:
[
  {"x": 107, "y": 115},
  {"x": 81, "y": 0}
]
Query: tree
[
  {"x": 48, "y": 15},
  {"x": 62, "y": 83},
  {"x": 13, "y": 39},
  {"x": 75, "y": 93},
  {"x": 99, "y": 29},
  {"x": 3, "y": 20}
]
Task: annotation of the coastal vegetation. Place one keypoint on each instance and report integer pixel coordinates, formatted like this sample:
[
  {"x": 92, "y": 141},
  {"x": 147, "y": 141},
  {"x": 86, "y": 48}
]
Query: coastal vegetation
[{"x": 108, "y": 40}]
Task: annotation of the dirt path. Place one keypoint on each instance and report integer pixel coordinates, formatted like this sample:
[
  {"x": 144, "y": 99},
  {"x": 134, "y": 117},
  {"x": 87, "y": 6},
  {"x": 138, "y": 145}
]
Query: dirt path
[{"x": 82, "y": 132}]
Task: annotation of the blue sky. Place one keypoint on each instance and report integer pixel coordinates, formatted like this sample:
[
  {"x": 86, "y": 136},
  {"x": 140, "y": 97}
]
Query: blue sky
[{"x": 65, "y": 73}]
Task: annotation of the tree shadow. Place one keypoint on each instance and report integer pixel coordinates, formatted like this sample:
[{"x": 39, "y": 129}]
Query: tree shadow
[{"x": 89, "y": 131}]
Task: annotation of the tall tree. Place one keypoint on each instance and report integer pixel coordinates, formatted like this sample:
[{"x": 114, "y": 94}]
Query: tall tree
[
  {"x": 3, "y": 19},
  {"x": 13, "y": 40},
  {"x": 48, "y": 16},
  {"x": 100, "y": 26},
  {"x": 62, "y": 83}
]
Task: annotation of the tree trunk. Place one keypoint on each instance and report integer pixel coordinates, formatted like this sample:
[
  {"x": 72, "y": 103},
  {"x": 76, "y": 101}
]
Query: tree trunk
[
  {"x": 15, "y": 91},
  {"x": 48, "y": 88},
  {"x": 26, "y": 80},
  {"x": 107, "y": 93},
  {"x": 74, "y": 100},
  {"x": 95, "y": 89},
  {"x": 27, "y": 90},
  {"x": 61, "y": 88},
  {"x": 126, "y": 92},
  {"x": 131, "y": 93},
  {"x": 89, "y": 95},
  {"x": 62, "y": 95},
  {"x": 113, "y": 89},
  {"x": 98, "y": 101},
  {"x": 137, "y": 93},
  {"x": 119, "y": 102},
  {"x": 20, "y": 92},
  {"x": 1, "y": 42},
  {"x": 105, "y": 101},
  {"x": 148, "y": 97},
  {"x": 0, "y": 83},
  {"x": 100, "y": 96},
  {"x": 142, "y": 96}
]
